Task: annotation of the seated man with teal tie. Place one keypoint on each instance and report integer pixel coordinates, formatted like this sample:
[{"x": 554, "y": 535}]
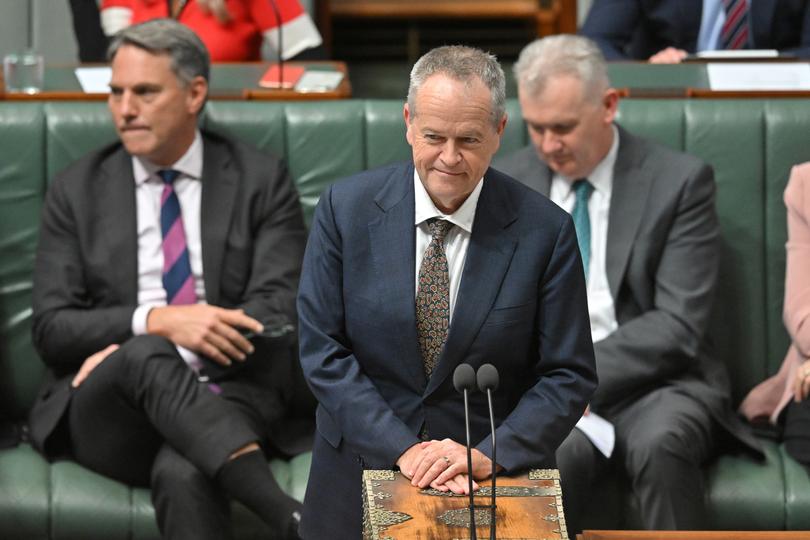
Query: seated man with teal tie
[
  {"x": 156, "y": 253},
  {"x": 649, "y": 236}
]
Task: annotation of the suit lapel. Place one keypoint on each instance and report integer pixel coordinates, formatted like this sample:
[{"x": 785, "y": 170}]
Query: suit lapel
[
  {"x": 543, "y": 177},
  {"x": 760, "y": 15},
  {"x": 535, "y": 173},
  {"x": 627, "y": 201},
  {"x": 116, "y": 196},
  {"x": 393, "y": 256},
  {"x": 219, "y": 186},
  {"x": 488, "y": 257},
  {"x": 687, "y": 23}
]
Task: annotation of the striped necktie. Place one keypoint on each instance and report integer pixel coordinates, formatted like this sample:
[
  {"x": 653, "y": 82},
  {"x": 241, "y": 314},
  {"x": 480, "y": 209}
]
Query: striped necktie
[
  {"x": 734, "y": 34},
  {"x": 582, "y": 220},
  {"x": 177, "y": 278}
]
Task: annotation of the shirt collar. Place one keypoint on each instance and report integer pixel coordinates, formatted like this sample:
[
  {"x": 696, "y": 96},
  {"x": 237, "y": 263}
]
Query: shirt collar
[
  {"x": 190, "y": 164},
  {"x": 425, "y": 209}
]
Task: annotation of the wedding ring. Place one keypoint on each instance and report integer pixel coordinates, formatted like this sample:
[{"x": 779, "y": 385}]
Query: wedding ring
[{"x": 446, "y": 460}]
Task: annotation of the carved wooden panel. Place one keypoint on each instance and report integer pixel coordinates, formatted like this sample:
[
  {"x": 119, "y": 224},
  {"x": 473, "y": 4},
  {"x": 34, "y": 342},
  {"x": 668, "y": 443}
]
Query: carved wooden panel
[{"x": 529, "y": 507}]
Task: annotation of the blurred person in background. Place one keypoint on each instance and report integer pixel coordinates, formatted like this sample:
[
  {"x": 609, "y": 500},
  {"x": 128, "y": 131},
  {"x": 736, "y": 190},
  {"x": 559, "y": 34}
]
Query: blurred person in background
[
  {"x": 90, "y": 37},
  {"x": 648, "y": 234},
  {"x": 232, "y": 30},
  {"x": 783, "y": 398},
  {"x": 666, "y": 31}
]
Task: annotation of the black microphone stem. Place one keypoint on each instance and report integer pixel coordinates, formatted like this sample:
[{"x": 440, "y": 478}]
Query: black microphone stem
[
  {"x": 279, "y": 43},
  {"x": 487, "y": 378},
  {"x": 469, "y": 469},
  {"x": 494, "y": 468}
]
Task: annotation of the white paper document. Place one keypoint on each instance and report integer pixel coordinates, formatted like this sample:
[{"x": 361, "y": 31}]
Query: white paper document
[
  {"x": 759, "y": 76},
  {"x": 737, "y": 54},
  {"x": 599, "y": 431},
  {"x": 94, "y": 80},
  {"x": 319, "y": 81}
]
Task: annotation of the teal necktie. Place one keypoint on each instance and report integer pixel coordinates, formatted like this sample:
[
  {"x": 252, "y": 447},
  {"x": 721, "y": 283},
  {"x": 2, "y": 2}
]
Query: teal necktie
[{"x": 582, "y": 220}]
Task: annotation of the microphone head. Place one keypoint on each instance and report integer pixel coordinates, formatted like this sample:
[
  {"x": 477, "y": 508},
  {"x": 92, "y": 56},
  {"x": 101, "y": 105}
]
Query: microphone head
[
  {"x": 464, "y": 378},
  {"x": 488, "y": 378}
]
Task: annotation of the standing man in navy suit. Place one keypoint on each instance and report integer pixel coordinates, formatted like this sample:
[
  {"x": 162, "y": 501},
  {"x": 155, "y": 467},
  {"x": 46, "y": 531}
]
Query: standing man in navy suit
[{"x": 509, "y": 290}]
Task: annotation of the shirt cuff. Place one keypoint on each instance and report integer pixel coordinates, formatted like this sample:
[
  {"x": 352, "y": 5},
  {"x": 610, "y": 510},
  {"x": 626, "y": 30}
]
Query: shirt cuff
[
  {"x": 191, "y": 358},
  {"x": 139, "y": 329},
  {"x": 139, "y": 319}
]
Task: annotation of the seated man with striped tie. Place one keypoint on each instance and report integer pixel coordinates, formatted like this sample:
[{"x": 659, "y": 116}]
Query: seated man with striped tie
[
  {"x": 666, "y": 31},
  {"x": 648, "y": 235},
  {"x": 156, "y": 253}
]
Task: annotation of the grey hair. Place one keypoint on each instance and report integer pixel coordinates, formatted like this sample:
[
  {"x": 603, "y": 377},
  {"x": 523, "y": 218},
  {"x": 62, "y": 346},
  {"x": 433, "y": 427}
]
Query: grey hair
[
  {"x": 563, "y": 54},
  {"x": 188, "y": 54},
  {"x": 463, "y": 64}
]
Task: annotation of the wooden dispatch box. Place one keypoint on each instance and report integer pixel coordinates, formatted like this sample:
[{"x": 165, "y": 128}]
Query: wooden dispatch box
[{"x": 529, "y": 507}]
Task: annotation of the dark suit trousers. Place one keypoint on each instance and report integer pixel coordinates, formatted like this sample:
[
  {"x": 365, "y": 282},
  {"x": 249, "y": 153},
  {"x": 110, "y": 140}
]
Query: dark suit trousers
[
  {"x": 142, "y": 418},
  {"x": 662, "y": 440},
  {"x": 797, "y": 431}
]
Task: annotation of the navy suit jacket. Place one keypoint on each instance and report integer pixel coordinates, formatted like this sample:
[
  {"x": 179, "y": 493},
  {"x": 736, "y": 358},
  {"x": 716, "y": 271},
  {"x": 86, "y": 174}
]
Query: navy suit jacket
[
  {"x": 637, "y": 29},
  {"x": 521, "y": 306}
]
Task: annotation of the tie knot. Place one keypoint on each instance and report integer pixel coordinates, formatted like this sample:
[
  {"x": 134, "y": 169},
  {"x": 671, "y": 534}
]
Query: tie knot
[
  {"x": 168, "y": 175},
  {"x": 439, "y": 228},
  {"x": 583, "y": 189}
]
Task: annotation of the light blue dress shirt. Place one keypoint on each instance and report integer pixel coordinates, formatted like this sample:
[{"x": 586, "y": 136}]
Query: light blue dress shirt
[{"x": 711, "y": 24}]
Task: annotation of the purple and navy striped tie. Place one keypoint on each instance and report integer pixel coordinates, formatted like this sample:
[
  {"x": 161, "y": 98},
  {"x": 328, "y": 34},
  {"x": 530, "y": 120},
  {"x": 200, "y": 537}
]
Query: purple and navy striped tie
[{"x": 177, "y": 278}]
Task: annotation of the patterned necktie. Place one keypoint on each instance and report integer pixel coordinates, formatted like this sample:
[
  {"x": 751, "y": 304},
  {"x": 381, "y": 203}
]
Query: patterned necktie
[
  {"x": 734, "y": 34},
  {"x": 177, "y": 278},
  {"x": 582, "y": 220},
  {"x": 433, "y": 297}
]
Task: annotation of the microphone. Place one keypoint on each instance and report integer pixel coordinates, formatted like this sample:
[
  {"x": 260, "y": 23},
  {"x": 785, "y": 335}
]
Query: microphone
[
  {"x": 279, "y": 43},
  {"x": 464, "y": 382},
  {"x": 488, "y": 383}
]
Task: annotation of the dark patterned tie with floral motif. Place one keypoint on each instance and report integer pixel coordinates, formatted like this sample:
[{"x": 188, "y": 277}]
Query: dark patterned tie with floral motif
[{"x": 433, "y": 297}]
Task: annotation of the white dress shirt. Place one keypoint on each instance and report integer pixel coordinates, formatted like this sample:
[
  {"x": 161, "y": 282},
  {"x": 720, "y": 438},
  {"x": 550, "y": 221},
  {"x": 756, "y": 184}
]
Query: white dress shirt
[
  {"x": 148, "y": 190},
  {"x": 457, "y": 240},
  {"x": 600, "y": 301}
]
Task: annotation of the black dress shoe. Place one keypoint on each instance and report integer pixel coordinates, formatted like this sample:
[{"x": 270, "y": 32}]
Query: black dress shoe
[{"x": 292, "y": 527}]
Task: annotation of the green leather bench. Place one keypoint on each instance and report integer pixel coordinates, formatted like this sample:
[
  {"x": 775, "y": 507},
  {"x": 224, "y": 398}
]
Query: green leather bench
[{"x": 752, "y": 145}]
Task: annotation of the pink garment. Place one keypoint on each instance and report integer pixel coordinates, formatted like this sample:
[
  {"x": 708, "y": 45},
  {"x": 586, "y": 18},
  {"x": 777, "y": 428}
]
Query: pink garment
[{"x": 767, "y": 399}]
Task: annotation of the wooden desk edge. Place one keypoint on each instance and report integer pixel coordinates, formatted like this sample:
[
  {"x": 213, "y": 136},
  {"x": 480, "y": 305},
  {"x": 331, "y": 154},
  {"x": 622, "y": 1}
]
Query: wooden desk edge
[
  {"x": 746, "y": 94},
  {"x": 343, "y": 90},
  {"x": 706, "y": 93}
]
